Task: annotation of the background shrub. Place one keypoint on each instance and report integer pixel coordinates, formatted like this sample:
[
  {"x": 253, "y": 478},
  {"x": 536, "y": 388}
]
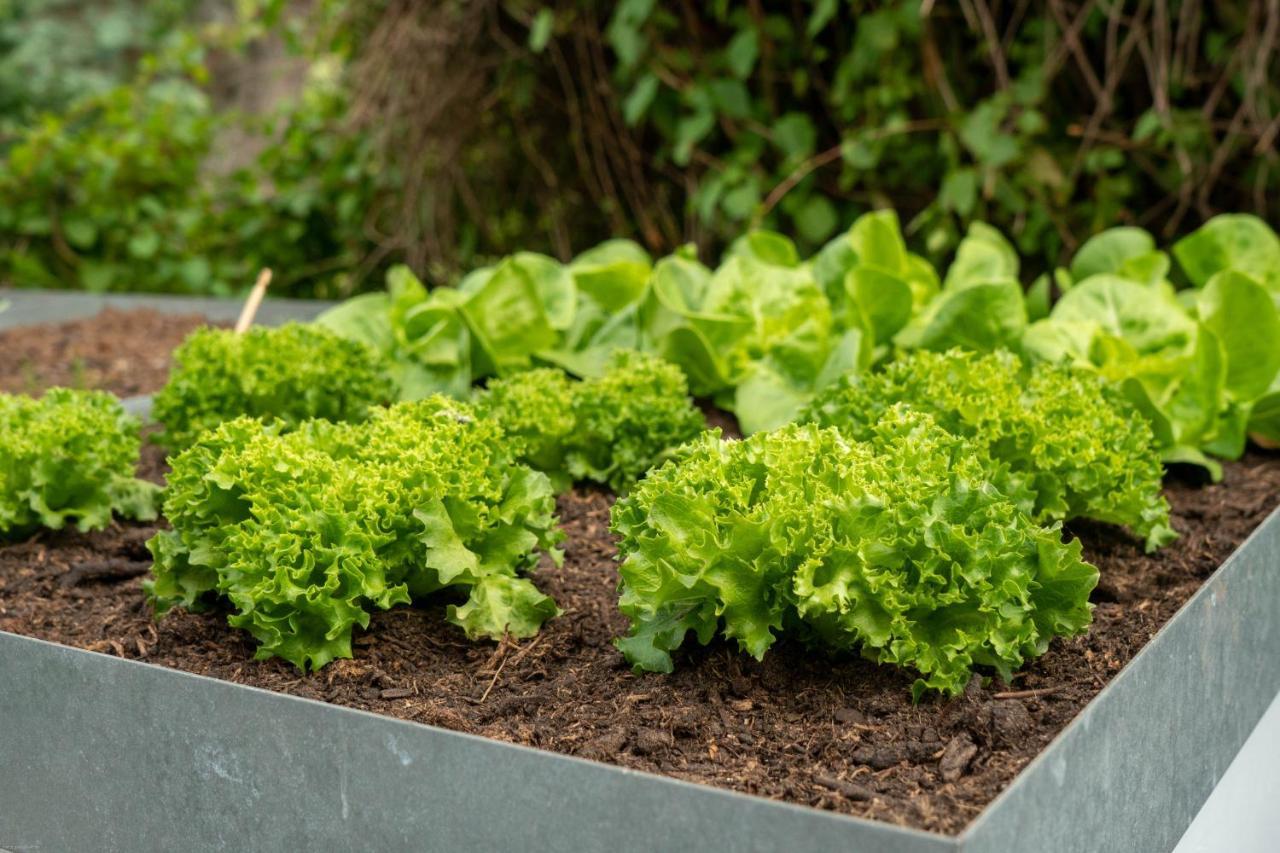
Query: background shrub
[{"x": 445, "y": 134}]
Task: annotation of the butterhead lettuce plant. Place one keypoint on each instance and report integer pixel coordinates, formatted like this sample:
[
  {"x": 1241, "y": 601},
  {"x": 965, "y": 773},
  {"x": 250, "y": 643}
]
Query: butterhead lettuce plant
[
  {"x": 1064, "y": 444},
  {"x": 898, "y": 546},
  {"x": 609, "y": 429},
  {"x": 305, "y": 532},
  {"x": 290, "y": 374},
  {"x": 69, "y": 457}
]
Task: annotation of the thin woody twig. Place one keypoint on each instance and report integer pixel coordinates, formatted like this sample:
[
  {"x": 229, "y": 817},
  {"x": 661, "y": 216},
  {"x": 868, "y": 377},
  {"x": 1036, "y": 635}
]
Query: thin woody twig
[
  {"x": 254, "y": 301},
  {"x": 1029, "y": 694}
]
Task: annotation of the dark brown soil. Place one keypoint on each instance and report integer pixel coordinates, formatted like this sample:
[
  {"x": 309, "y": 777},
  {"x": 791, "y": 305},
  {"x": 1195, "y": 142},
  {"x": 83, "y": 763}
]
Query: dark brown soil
[
  {"x": 837, "y": 734},
  {"x": 124, "y": 352}
]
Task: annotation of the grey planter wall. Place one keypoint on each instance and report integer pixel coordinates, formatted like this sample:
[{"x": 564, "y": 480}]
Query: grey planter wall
[
  {"x": 98, "y": 753},
  {"x": 27, "y": 307}
]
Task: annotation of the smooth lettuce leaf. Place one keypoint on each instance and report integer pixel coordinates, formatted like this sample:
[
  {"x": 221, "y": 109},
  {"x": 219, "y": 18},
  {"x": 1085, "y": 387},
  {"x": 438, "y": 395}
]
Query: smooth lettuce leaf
[
  {"x": 981, "y": 306},
  {"x": 1126, "y": 251},
  {"x": 1240, "y": 312},
  {"x": 1231, "y": 241}
]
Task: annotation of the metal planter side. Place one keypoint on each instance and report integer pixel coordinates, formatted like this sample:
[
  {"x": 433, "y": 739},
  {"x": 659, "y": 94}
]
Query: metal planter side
[
  {"x": 1133, "y": 769},
  {"x": 99, "y": 753},
  {"x": 31, "y": 307}
]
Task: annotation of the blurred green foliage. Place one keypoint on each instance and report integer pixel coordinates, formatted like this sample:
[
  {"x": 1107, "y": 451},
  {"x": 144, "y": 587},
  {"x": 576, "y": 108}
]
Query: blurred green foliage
[
  {"x": 55, "y": 51},
  {"x": 447, "y": 134},
  {"x": 1051, "y": 121},
  {"x": 109, "y": 188}
]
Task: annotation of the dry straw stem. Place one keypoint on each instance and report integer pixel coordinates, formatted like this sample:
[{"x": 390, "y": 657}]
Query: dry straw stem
[{"x": 251, "y": 305}]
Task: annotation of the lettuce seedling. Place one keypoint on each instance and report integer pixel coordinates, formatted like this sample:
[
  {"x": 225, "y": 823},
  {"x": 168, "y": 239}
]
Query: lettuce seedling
[
  {"x": 898, "y": 546},
  {"x": 1069, "y": 445},
  {"x": 291, "y": 374},
  {"x": 69, "y": 458},
  {"x": 610, "y": 429},
  {"x": 305, "y": 532}
]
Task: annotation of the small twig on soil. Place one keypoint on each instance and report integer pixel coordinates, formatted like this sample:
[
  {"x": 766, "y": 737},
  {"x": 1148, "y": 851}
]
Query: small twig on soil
[
  {"x": 848, "y": 789},
  {"x": 494, "y": 681},
  {"x": 1028, "y": 694},
  {"x": 113, "y": 569},
  {"x": 252, "y": 304},
  {"x": 519, "y": 656}
]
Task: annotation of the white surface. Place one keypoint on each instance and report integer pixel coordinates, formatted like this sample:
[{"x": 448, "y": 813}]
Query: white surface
[{"x": 1242, "y": 815}]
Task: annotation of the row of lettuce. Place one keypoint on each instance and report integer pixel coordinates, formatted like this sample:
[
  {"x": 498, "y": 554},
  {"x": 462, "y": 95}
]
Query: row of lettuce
[
  {"x": 914, "y": 443},
  {"x": 765, "y": 330}
]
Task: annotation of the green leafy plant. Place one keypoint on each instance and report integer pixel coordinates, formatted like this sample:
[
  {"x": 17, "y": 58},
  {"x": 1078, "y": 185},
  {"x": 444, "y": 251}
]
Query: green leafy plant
[
  {"x": 290, "y": 374},
  {"x": 527, "y": 309},
  {"x": 69, "y": 458},
  {"x": 696, "y": 121},
  {"x": 981, "y": 304},
  {"x": 1072, "y": 446},
  {"x": 899, "y": 547},
  {"x": 53, "y": 52},
  {"x": 609, "y": 429},
  {"x": 766, "y": 330},
  {"x": 305, "y": 532},
  {"x": 1202, "y": 364},
  {"x": 107, "y": 194},
  {"x": 758, "y": 333},
  {"x": 130, "y": 184}
]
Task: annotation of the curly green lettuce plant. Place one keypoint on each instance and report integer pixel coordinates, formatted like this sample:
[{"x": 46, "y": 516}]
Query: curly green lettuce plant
[
  {"x": 69, "y": 458},
  {"x": 898, "y": 546},
  {"x": 1072, "y": 445},
  {"x": 610, "y": 429},
  {"x": 291, "y": 374},
  {"x": 305, "y": 532}
]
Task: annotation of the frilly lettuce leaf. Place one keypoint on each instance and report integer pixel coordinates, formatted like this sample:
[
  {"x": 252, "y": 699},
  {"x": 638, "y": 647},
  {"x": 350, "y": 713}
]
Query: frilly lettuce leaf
[
  {"x": 610, "y": 429},
  {"x": 69, "y": 457},
  {"x": 897, "y": 546},
  {"x": 291, "y": 374},
  {"x": 1063, "y": 443},
  {"x": 305, "y": 532}
]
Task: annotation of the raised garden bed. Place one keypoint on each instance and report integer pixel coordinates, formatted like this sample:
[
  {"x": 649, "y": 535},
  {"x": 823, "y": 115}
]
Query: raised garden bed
[{"x": 841, "y": 736}]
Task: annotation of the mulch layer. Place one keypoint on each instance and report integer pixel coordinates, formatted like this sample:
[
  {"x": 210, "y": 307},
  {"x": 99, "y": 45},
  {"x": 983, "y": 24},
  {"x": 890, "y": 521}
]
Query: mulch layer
[
  {"x": 832, "y": 733},
  {"x": 124, "y": 352}
]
